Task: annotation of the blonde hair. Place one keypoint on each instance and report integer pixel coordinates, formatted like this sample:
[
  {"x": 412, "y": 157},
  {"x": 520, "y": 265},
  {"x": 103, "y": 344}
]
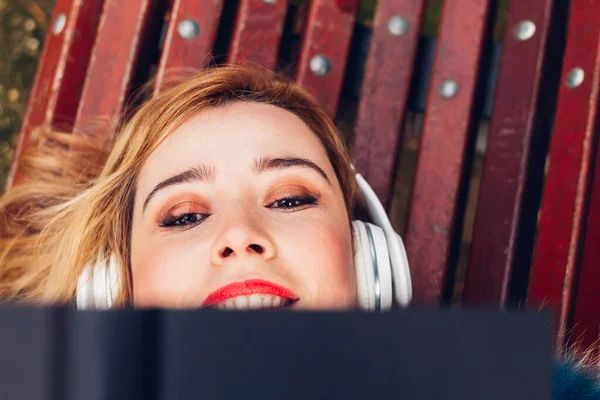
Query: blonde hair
[{"x": 75, "y": 202}]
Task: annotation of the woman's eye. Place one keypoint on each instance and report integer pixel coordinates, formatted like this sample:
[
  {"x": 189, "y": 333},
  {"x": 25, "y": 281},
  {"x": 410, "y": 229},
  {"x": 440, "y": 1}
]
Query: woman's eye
[
  {"x": 183, "y": 220},
  {"x": 291, "y": 203}
]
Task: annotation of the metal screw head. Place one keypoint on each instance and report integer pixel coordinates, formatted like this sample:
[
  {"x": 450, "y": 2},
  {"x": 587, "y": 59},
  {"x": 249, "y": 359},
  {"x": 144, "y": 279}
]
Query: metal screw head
[
  {"x": 397, "y": 25},
  {"x": 575, "y": 77},
  {"x": 448, "y": 88},
  {"x": 525, "y": 30},
  {"x": 59, "y": 24},
  {"x": 188, "y": 29},
  {"x": 320, "y": 65}
]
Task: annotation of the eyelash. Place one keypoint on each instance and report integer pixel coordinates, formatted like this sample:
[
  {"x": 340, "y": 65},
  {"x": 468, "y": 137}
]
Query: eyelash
[{"x": 183, "y": 221}]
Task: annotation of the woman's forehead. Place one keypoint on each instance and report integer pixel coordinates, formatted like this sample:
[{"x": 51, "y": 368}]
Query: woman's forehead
[{"x": 232, "y": 138}]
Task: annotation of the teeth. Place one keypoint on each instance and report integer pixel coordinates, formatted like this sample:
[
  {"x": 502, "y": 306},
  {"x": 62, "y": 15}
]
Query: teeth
[
  {"x": 254, "y": 301},
  {"x": 241, "y": 302},
  {"x": 267, "y": 301}
]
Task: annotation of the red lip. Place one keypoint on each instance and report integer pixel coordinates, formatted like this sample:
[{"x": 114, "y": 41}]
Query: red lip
[{"x": 246, "y": 288}]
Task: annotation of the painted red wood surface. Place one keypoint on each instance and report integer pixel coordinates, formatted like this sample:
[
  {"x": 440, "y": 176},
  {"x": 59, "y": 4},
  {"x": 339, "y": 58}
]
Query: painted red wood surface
[
  {"x": 384, "y": 92},
  {"x": 184, "y": 56},
  {"x": 61, "y": 72},
  {"x": 566, "y": 193},
  {"x": 112, "y": 68},
  {"x": 434, "y": 205},
  {"x": 328, "y": 34},
  {"x": 257, "y": 33},
  {"x": 586, "y": 320},
  {"x": 506, "y": 161},
  {"x": 347, "y": 5}
]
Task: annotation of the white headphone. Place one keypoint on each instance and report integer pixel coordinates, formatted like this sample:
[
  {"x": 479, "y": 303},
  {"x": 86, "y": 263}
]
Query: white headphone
[{"x": 382, "y": 270}]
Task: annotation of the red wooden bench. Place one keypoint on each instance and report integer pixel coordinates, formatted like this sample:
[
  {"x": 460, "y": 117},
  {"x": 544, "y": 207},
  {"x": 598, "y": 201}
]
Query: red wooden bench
[{"x": 537, "y": 218}]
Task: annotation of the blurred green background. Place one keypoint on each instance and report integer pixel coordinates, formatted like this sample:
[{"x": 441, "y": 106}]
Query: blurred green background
[{"x": 23, "y": 25}]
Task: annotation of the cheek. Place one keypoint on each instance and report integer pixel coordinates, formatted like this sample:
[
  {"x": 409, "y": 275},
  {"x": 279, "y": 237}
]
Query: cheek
[
  {"x": 165, "y": 273},
  {"x": 324, "y": 265}
]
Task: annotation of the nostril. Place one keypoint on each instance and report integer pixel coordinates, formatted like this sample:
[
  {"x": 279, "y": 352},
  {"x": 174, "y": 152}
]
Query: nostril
[
  {"x": 258, "y": 249},
  {"x": 226, "y": 252}
]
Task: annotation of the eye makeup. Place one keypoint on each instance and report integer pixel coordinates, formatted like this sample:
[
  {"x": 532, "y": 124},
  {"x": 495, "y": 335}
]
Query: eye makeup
[
  {"x": 182, "y": 211},
  {"x": 286, "y": 194}
]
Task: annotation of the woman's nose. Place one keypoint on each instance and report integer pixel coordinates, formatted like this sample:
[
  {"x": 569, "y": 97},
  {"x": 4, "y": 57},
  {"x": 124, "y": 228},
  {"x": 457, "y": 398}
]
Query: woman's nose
[{"x": 242, "y": 241}]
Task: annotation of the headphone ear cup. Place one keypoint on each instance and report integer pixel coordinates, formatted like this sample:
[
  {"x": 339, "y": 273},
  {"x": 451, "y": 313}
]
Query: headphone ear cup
[
  {"x": 373, "y": 269},
  {"x": 98, "y": 285},
  {"x": 84, "y": 297},
  {"x": 384, "y": 267},
  {"x": 400, "y": 271},
  {"x": 397, "y": 254},
  {"x": 363, "y": 265},
  {"x": 111, "y": 283}
]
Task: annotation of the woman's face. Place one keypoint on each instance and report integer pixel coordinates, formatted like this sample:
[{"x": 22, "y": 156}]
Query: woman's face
[{"x": 241, "y": 208}]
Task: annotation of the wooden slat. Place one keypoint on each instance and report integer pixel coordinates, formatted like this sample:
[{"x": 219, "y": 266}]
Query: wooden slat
[
  {"x": 511, "y": 134},
  {"x": 186, "y": 55},
  {"x": 435, "y": 199},
  {"x": 61, "y": 72},
  {"x": 586, "y": 321},
  {"x": 566, "y": 193},
  {"x": 257, "y": 32},
  {"x": 328, "y": 33},
  {"x": 384, "y": 92},
  {"x": 113, "y": 65}
]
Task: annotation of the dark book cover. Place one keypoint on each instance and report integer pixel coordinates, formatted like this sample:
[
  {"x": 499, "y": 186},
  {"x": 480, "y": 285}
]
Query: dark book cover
[{"x": 416, "y": 354}]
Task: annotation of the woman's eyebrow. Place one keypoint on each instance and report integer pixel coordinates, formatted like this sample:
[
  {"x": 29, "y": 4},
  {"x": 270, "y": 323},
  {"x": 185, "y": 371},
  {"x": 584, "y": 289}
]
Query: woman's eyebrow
[
  {"x": 206, "y": 173},
  {"x": 271, "y": 163},
  {"x": 200, "y": 173}
]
